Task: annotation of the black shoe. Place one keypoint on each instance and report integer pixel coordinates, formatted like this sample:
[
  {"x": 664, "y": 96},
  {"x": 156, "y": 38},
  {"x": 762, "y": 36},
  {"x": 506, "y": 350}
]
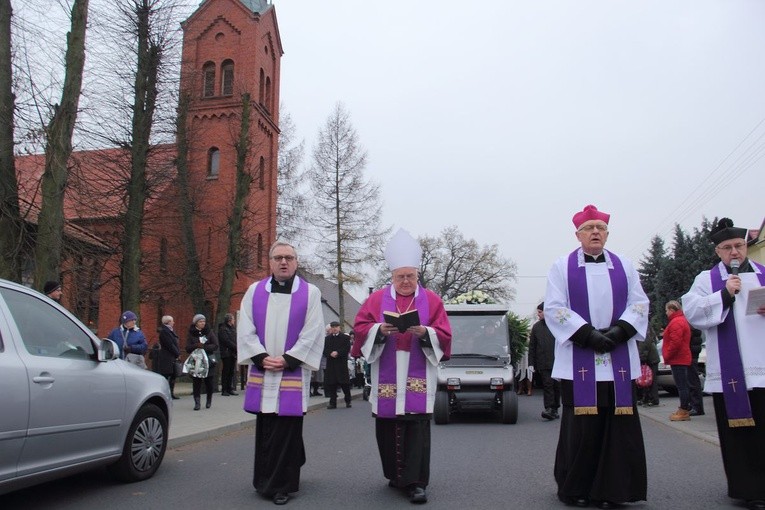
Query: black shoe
[
  {"x": 196, "y": 406},
  {"x": 281, "y": 498},
  {"x": 547, "y": 414},
  {"x": 696, "y": 412},
  {"x": 331, "y": 406},
  {"x": 580, "y": 502},
  {"x": 174, "y": 397},
  {"x": 233, "y": 393},
  {"x": 555, "y": 414},
  {"x": 418, "y": 495},
  {"x": 348, "y": 404},
  {"x": 225, "y": 394},
  {"x": 756, "y": 504},
  {"x": 208, "y": 404}
]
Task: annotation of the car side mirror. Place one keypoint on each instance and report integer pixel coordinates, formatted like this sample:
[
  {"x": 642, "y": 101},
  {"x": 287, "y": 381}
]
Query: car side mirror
[{"x": 107, "y": 350}]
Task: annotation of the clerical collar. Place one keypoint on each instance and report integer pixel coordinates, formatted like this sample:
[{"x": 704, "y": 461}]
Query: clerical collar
[
  {"x": 598, "y": 259},
  {"x": 284, "y": 287}
]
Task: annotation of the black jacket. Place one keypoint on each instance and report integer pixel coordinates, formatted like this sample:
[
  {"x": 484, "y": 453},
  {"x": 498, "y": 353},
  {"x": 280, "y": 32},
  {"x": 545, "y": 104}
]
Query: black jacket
[
  {"x": 169, "y": 350},
  {"x": 192, "y": 341},
  {"x": 337, "y": 368},
  {"x": 227, "y": 340},
  {"x": 541, "y": 347}
]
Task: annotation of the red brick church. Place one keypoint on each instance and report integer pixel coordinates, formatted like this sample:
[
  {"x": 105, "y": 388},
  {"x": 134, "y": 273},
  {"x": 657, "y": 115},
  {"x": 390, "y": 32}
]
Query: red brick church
[{"x": 230, "y": 48}]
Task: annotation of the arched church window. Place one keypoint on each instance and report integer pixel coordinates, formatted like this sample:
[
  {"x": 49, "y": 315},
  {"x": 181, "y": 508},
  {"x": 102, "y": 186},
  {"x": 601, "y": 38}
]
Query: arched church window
[
  {"x": 213, "y": 162},
  {"x": 208, "y": 79},
  {"x": 260, "y": 251},
  {"x": 262, "y": 173},
  {"x": 268, "y": 94},
  {"x": 261, "y": 86},
  {"x": 227, "y": 76}
]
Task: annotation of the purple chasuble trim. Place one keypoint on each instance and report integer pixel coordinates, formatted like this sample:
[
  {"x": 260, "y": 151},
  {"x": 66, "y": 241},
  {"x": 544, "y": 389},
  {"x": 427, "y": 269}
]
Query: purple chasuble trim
[
  {"x": 585, "y": 382},
  {"x": 416, "y": 396},
  {"x": 735, "y": 395},
  {"x": 291, "y": 385}
]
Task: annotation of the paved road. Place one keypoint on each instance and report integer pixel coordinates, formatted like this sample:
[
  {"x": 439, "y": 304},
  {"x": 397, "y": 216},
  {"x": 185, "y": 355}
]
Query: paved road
[{"x": 477, "y": 464}]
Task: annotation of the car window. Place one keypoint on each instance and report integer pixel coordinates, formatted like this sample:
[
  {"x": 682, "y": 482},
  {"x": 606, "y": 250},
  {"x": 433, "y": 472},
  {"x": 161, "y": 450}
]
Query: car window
[{"x": 45, "y": 331}]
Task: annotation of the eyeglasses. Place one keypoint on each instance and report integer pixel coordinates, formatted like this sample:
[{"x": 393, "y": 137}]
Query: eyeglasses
[
  {"x": 590, "y": 228},
  {"x": 730, "y": 247},
  {"x": 279, "y": 258}
]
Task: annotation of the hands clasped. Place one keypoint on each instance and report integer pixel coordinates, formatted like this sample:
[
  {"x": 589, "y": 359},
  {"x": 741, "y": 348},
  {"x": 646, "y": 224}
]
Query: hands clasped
[{"x": 274, "y": 363}]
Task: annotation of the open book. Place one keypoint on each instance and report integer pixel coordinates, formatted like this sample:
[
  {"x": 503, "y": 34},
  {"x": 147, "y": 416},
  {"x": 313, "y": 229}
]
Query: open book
[{"x": 402, "y": 320}]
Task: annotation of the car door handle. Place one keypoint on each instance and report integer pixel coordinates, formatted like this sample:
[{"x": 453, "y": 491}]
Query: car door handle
[{"x": 44, "y": 379}]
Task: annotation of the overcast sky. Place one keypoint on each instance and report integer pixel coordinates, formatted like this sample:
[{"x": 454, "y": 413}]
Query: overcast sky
[{"x": 506, "y": 117}]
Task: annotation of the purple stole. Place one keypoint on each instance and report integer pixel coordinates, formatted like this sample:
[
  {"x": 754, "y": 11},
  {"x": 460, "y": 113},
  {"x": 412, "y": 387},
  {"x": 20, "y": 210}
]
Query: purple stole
[
  {"x": 291, "y": 385},
  {"x": 416, "y": 381},
  {"x": 736, "y": 398},
  {"x": 585, "y": 383}
]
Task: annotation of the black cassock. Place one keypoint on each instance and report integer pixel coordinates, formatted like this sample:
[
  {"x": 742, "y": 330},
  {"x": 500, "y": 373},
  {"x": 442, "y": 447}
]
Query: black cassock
[{"x": 337, "y": 368}]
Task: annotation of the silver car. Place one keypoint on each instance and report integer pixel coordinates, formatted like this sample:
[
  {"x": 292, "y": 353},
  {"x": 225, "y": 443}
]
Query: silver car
[{"x": 68, "y": 402}]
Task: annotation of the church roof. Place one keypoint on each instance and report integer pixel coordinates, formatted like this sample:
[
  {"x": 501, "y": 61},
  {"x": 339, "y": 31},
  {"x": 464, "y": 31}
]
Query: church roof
[{"x": 258, "y": 6}]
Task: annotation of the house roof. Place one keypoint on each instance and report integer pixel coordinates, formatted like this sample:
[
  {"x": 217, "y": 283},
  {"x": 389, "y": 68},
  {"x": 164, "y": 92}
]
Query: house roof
[{"x": 330, "y": 299}]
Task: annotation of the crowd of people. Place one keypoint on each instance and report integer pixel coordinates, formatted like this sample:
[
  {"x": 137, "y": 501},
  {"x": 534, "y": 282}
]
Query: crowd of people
[{"x": 586, "y": 350}]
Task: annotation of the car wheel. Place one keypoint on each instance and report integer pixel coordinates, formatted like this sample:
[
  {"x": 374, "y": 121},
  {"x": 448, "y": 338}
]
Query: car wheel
[
  {"x": 441, "y": 408},
  {"x": 509, "y": 407},
  {"x": 145, "y": 446}
]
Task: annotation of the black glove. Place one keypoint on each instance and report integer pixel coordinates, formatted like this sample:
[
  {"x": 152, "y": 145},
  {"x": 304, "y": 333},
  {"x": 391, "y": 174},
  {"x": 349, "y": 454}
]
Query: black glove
[
  {"x": 599, "y": 342},
  {"x": 616, "y": 334}
]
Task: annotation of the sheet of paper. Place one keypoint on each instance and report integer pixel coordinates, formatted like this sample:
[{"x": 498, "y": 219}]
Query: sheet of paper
[{"x": 755, "y": 299}]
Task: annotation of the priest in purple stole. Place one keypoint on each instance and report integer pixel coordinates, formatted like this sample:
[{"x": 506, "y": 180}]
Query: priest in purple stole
[
  {"x": 718, "y": 303},
  {"x": 597, "y": 311},
  {"x": 280, "y": 335},
  {"x": 403, "y": 367}
]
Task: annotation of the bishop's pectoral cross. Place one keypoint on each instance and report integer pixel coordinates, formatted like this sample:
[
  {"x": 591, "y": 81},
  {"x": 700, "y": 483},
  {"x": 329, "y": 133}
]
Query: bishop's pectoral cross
[
  {"x": 583, "y": 371},
  {"x": 733, "y": 383},
  {"x": 622, "y": 371}
]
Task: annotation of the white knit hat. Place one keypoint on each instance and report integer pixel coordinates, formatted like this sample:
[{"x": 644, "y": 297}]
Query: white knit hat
[{"x": 198, "y": 317}]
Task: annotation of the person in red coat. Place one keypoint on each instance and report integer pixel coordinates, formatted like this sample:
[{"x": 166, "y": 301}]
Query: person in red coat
[{"x": 676, "y": 350}]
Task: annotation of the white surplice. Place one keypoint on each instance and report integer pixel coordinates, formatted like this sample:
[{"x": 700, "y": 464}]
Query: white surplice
[
  {"x": 564, "y": 322},
  {"x": 704, "y": 310},
  {"x": 308, "y": 348}
]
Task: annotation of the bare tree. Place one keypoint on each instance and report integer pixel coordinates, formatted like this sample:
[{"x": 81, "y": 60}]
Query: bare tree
[
  {"x": 193, "y": 271},
  {"x": 11, "y": 227},
  {"x": 347, "y": 208},
  {"x": 452, "y": 265},
  {"x": 58, "y": 148},
  {"x": 243, "y": 180},
  {"x": 291, "y": 202}
]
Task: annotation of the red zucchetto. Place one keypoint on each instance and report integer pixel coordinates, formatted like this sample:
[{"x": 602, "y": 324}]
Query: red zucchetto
[{"x": 590, "y": 212}]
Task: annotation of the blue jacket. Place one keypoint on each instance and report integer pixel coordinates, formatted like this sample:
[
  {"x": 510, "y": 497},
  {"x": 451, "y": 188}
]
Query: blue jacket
[{"x": 135, "y": 341}]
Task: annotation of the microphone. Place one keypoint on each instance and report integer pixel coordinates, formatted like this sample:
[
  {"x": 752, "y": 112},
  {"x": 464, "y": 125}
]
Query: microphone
[{"x": 734, "y": 265}]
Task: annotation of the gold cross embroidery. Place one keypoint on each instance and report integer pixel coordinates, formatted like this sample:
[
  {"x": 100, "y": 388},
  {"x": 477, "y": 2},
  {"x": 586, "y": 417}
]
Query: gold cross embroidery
[
  {"x": 416, "y": 385},
  {"x": 386, "y": 391},
  {"x": 733, "y": 384},
  {"x": 622, "y": 371},
  {"x": 583, "y": 371}
]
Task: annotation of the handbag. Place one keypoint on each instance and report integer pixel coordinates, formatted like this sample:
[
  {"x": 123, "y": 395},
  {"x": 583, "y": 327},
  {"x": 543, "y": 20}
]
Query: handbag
[
  {"x": 646, "y": 376},
  {"x": 177, "y": 368},
  {"x": 213, "y": 358}
]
